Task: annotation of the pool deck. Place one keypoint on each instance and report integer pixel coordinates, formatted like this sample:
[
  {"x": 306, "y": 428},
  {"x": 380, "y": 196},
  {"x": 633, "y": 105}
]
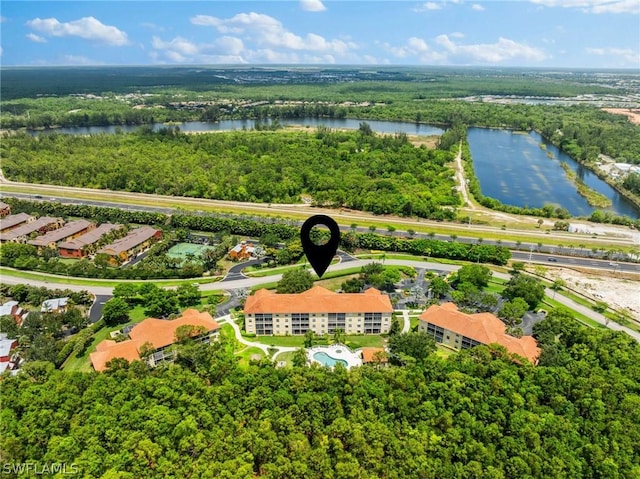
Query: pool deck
[{"x": 336, "y": 351}]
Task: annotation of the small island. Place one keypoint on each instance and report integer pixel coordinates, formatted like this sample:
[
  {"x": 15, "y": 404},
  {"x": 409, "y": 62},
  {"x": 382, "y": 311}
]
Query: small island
[{"x": 593, "y": 197}]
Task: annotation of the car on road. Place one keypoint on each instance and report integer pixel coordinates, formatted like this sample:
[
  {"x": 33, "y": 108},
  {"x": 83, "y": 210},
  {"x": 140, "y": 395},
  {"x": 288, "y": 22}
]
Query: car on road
[{"x": 552, "y": 259}]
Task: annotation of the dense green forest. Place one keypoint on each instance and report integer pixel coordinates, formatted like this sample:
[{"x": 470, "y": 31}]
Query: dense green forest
[
  {"x": 476, "y": 414},
  {"x": 358, "y": 170}
]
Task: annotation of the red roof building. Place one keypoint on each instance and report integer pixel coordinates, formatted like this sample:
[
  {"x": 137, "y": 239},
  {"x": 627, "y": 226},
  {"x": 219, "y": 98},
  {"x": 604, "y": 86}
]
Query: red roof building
[
  {"x": 137, "y": 241},
  {"x": 460, "y": 331},
  {"x": 152, "y": 338},
  {"x": 68, "y": 231},
  {"x": 318, "y": 309}
]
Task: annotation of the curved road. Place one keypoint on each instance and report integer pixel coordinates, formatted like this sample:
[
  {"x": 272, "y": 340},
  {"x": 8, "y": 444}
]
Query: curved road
[{"x": 251, "y": 282}]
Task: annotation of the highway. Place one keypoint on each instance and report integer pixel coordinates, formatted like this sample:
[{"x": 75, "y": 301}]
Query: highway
[{"x": 529, "y": 252}]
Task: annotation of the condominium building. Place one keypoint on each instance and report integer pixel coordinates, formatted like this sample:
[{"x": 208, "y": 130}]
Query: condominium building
[
  {"x": 319, "y": 310},
  {"x": 152, "y": 339},
  {"x": 67, "y": 232},
  {"x": 459, "y": 330}
]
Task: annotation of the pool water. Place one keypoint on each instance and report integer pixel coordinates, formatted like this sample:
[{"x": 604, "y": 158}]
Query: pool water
[{"x": 327, "y": 360}]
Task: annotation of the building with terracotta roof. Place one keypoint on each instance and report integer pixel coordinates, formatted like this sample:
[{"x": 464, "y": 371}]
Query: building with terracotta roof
[
  {"x": 137, "y": 241},
  {"x": 153, "y": 338},
  {"x": 21, "y": 233},
  {"x": 5, "y": 209},
  {"x": 13, "y": 221},
  {"x": 319, "y": 310},
  {"x": 461, "y": 331},
  {"x": 13, "y": 309},
  {"x": 242, "y": 251},
  {"x": 374, "y": 356},
  {"x": 81, "y": 246},
  {"x": 68, "y": 231}
]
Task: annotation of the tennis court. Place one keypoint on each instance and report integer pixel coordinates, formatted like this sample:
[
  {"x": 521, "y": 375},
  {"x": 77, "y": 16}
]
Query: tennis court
[{"x": 181, "y": 250}]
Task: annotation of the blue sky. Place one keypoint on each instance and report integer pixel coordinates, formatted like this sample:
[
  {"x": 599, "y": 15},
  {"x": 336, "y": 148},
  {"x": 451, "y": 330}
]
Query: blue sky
[{"x": 531, "y": 33}]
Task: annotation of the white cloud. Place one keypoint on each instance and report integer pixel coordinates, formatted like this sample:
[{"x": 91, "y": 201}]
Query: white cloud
[
  {"x": 477, "y": 7},
  {"x": 428, "y": 6},
  {"x": 36, "y": 38},
  {"x": 268, "y": 33},
  {"x": 312, "y": 5},
  {"x": 88, "y": 28},
  {"x": 625, "y": 56},
  {"x": 503, "y": 50},
  {"x": 594, "y": 6},
  {"x": 180, "y": 50}
]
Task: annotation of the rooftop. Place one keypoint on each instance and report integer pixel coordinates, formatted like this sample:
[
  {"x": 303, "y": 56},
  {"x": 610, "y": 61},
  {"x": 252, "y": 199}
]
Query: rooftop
[
  {"x": 133, "y": 239},
  {"x": 159, "y": 333},
  {"x": 14, "y": 220},
  {"x": 89, "y": 237},
  {"x": 53, "y": 304},
  {"x": 482, "y": 327},
  {"x": 28, "y": 228},
  {"x": 318, "y": 300},
  {"x": 67, "y": 230}
]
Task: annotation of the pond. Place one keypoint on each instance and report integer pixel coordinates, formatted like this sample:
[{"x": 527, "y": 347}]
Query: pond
[{"x": 514, "y": 168}]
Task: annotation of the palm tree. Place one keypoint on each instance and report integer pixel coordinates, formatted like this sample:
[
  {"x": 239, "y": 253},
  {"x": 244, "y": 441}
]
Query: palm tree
[{"x": 338, "y": 336}]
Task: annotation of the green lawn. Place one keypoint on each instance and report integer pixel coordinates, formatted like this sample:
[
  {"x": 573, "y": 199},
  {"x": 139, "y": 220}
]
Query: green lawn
[
  {"x": 353, "y": 341},
  {"x": 246, "y": 354}
]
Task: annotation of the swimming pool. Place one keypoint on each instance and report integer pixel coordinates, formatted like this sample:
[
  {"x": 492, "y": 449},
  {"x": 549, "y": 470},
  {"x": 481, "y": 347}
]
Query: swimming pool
[{"x": 327, "y": 360}]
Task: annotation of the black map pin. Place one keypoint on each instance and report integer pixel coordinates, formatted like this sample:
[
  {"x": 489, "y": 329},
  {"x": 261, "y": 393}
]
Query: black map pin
[{"x": 320, "y": 256}]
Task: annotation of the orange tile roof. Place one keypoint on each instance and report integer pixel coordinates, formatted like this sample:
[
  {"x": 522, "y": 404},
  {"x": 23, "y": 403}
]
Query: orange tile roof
[
  {"x": 482, "y": 327},
  {"x": 318, "y": 300},
  {"x": 158, "y": 332},
  {"x": 108, "y": 350},
  {"x": 162, "y": 333},
  {"x": 369, "y": 355}
]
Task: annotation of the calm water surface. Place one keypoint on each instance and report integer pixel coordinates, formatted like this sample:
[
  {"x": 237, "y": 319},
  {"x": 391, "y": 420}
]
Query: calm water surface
[{"x": 513, "y": 168}]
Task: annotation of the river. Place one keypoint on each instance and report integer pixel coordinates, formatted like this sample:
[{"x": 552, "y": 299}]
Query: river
[{"x": 511, "y": 166}]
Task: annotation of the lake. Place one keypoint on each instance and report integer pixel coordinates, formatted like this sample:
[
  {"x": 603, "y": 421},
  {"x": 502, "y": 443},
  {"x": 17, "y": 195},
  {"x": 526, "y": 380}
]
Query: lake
[{"x": 513, "y": 168}]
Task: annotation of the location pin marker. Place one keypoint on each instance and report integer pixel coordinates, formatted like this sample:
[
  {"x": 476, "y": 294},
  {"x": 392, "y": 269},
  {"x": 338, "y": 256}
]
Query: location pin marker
[{"x": 320, "y": 256}]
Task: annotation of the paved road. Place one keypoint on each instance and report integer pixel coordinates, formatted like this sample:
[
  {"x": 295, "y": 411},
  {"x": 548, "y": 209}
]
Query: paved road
[
  {"x": 95, "y": 313},
  {"x": 251, "y": 282}
]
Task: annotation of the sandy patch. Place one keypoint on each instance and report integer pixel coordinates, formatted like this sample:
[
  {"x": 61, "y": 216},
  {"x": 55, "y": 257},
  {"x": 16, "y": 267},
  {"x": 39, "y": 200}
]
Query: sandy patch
[
  {"x": 617, "y": 292},
  {"x": 633, "y": 115}
]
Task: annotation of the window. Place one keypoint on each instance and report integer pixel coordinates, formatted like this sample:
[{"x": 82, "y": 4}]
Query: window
[
  {"x": 264, "y": 324},
  {"x": 336, "y": 321},
  {"x": 299, "y": 323},
  {"x": 372, "y": 323},
  {"x": 436, "y": 331}
]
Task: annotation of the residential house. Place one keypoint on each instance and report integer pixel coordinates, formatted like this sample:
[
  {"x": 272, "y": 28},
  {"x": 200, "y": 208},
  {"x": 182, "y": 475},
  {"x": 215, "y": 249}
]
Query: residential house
[
  {"x": 13, "y": 309},
  {"x": 461, "y": 331},
  {"x": 67, "y": 232},
  {"x": 7, "y": 347},
  {"x": 319, "y": 310},
  {"x": 137, "y": 241},
  {"x": 21, "y": 233},
  {"x": 5, "y": 209},
  {"x": 242, "y": 251},
  {"x": 13, "y": 221},
  {"x": 152, "y": 339},
  {"x": 82, "y": 245},
  {"x": 55, "y": 305}
]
